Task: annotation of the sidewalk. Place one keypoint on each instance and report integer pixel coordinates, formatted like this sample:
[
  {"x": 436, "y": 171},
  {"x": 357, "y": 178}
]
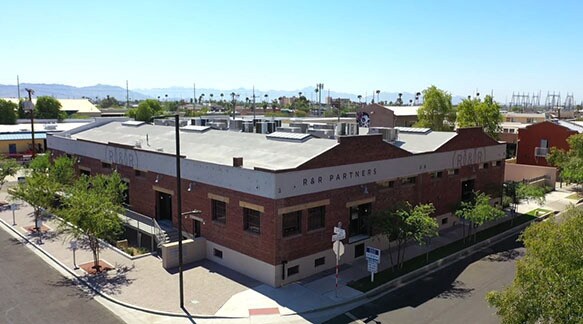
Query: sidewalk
[{"x": 213, "y": 290}]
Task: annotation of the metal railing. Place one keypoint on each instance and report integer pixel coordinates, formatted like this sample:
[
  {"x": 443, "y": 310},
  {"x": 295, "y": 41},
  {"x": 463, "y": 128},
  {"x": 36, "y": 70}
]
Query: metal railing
[
  {"x": 155, "y": 228},
  {"x": 541, "y": 151}
]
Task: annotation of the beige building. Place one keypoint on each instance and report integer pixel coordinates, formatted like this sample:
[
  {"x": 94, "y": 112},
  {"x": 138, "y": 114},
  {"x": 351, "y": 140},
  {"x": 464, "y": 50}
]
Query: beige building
[
  {"x": 81, "y": 107},
  {"x": 375, "y": 115},
  {"x": 524, "y": 118}
]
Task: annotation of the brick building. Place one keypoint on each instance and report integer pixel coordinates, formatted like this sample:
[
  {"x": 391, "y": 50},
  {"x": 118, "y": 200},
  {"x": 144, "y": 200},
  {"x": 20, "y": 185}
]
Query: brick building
[
  {"x": 375, "y": 115},
  {"x": 269, "y": 202},
  {"x": 535, "y": 141}
]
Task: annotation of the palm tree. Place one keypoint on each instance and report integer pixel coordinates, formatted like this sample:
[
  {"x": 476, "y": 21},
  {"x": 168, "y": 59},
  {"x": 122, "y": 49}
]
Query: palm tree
[
  {"x": 211, "y": 100},
  {"x": 378, "y": 93},
  {"x": 222, "y": 95},
  {"x": 300, "y": 94},
  {"x": 359, "y": 99},
  {"x": 400, "y": 100}
]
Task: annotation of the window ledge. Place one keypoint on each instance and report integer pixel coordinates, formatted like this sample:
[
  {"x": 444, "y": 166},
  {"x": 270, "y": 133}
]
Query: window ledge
[
  {"x": 357, "y": 238},
  {"x": 216, "y": 222},
  {"x": 316, "y": 230},
  {"x": 289, "y": 237}
]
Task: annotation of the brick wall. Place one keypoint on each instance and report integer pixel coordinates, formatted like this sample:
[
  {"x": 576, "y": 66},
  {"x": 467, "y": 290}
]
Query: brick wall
[{"x": 530, "y": 137}]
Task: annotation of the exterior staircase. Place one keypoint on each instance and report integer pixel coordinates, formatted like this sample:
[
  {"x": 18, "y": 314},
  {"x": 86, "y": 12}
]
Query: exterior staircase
[{"x": 167, "y": 233}]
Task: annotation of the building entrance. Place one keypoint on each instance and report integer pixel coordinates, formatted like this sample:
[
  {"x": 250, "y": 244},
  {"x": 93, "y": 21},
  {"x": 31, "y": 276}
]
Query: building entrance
[
  {"x": 468, "y": 190},
  {"x": 359, "y": 216},
  {"x": 163, "y": 206}
]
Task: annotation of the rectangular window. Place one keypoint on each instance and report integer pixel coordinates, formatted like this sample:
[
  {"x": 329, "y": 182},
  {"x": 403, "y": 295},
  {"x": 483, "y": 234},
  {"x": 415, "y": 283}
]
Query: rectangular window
[
  {"x": 544, "y": 143},
  {"x": 358, "y": 250},
  {"x": 485, "y": 165},
  {"x": 106, "y": 165},
  {"x": 218, "y": 253},
  {"x": 293, "y": 270},
  {"x": 137, "y": 173},
  {"x": 316, "y": 217},
  {"x": 86, "y": 173},
  {"x": 219, "y": 211},
  {"x": 320, "y": 262},
  {"x": 498, "y": 163},
  {"x": 444, "y": 221},
  {"x": 437, "y": 174},
  {"x": 252, "y": 220},
  {"x": 292, "y": 223},
  {"x": 453, "y": 171},
  {"x": 409, "y": 180}
]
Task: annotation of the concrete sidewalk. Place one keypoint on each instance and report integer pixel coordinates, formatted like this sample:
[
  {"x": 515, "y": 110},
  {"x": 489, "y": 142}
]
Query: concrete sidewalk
[{"x": 212, "y": 290}]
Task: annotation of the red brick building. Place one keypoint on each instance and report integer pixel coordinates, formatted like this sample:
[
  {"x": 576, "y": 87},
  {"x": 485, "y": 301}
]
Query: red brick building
[
  {"x": 535, "y": 141},
  {"x": 270, "y": 202}
]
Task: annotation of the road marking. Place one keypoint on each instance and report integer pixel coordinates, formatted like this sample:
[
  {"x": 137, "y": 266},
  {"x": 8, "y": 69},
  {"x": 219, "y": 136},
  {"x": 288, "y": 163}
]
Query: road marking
[{"x": 354, "y": 318}]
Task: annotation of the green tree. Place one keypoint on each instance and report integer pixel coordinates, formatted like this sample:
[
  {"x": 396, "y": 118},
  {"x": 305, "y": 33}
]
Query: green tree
[
  {"x": 92, "y": 207},
  {"x": 48, "y": 108},
  {"x": 548, "y": 286},
  {"x": 147, "y": 109},
  {"x": 437, "y": 111},
  {"x": 8, "y": 167},
  {"x": 8, "y": 111},
  {"x": 403, "y": 225},
  {"x": 301, "y": 104},
  {"x": 44, "y": 182},
  {"x": 570, "y": 163},
  {"x": 108, "y": 102},
  {"x": 477, "y": 212},
  {"x": 485, "y": 114}
]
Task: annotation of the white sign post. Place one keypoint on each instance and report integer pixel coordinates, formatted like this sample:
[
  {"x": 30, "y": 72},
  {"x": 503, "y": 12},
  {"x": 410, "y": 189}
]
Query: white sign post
[
  {"x": 39, "y": 225},
  {"x": 74, "y": 248},
  {"x": 338, "y": 247},
  {"x": 373, "y": 256},
  {"x": 13, "y": 207}
]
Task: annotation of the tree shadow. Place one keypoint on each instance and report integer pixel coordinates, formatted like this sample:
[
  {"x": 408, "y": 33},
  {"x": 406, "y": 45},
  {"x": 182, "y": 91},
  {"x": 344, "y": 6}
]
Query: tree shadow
[
  {"x": 456, "y": 290},
  {"x": 504, "y": 256},
  {"x": 111, "y": 282}
]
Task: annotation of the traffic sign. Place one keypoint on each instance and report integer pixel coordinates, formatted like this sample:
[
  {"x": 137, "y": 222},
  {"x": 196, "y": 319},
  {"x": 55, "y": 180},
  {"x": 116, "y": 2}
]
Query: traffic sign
[
  {"x": 339, "y": 234},
  {"x": 338, "y": 248},
  {"x": 373, "y": 267},
  {"x": 373, "y": 254}
]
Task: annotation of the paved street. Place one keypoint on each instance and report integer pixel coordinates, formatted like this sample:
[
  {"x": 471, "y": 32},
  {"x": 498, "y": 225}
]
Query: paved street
[
  {"x": 33, "y": 292},
  {"x": 455, "y": 294}
]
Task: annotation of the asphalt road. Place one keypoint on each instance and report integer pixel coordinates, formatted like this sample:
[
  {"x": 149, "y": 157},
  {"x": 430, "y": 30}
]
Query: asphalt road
[
  {"x": 455, "y": 294},
  {"x": 33, "y": 292}
]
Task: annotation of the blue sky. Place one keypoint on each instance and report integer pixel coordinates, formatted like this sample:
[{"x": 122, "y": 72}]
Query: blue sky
[{"x": 352, "y": 46}]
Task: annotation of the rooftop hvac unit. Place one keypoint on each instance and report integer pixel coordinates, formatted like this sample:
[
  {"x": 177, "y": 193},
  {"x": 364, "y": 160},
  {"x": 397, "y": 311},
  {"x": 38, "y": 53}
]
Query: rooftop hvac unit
[
  {"x": 235, "y": 125},
  {"x": 218, "y": 125},
  {"x": 248, "y": 127},
  {"x": 50, "y": 126},
  {"x": 346, "y": 129},
  {"x": 389, "y": 134},
  {"x": 138, "y": 144}
]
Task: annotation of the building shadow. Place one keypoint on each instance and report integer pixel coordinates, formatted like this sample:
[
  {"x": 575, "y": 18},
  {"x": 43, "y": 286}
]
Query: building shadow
[{"x": 443, "y": 284}]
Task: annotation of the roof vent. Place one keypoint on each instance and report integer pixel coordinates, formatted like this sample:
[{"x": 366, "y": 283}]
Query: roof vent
[
  {"x": 389, "y": 134},
  {"x": 134, "y": 123},
  {"x": 284, "y": 136},
  {"x": 160, "y": 149},
  {"x": 237, "y": 162},
  {"x": 138, "y": 144},
  {"x": 50, "y": 126},
  {"x": 195, "y": 128}
]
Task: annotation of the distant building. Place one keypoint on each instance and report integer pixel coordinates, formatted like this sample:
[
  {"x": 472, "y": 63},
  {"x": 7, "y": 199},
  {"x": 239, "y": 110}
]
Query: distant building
[
  {"x": 81, "y": 107},
  {"x": 535, "y": 141},
  {"x": 524, "y": 118},
  {"x": 375, "y": 115}
]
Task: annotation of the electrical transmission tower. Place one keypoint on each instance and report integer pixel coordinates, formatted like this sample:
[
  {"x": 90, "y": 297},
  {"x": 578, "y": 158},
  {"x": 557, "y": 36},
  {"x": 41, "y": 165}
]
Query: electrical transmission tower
[
  {"x": 553, "y": 101},
  {"x": 569, "y": 102}
]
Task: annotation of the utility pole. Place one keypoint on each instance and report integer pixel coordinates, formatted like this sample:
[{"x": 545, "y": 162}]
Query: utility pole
[
  {"x": 320, "y": 87},
  {"x": 253, "y": 106},
  {"x": 31, "y": 107},
  {"x": 193, "y": 95},
  {"x": 18, "y": 88},
  {"x": 127, "y": 95}
]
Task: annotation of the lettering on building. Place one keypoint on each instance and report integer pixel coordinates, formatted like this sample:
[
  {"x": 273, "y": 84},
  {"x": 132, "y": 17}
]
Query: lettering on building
[
  {"x": 468, "y": 157},
  {"x": 116, "y": 155},
  {"x": 340, "y": 177}
]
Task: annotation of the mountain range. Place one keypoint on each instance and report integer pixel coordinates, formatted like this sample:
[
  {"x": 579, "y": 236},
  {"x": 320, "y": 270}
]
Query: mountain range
[{"x": 175, "y": 93}]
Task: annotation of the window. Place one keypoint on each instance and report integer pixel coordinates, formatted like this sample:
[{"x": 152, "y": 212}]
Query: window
[
  {"x": 138, "y": 173},
  {"x": 444, "y": 221},
  {"x": 106, "y": 165},
  {"x": 358, "y": 250},
  {"x": 386, "y": 184},
  {"x": 485, "y": 166},
  {"x": 320, "y": 262},
  {"x": 453, "y": 171},
  {"x": 409, "y": 180},
  {"x": 498, "y": 163},
  {"x": 316, "y": 217},
  {"x": 293, "y": 270},
  {"x": 544, "y": 143},
  {"x": 218, "y": 253},
  {"x": 86, "y": 173},
  {"x": 437, "y": 174},
  {"x": 219, "y": 211},
  {"x": 292, "y": 223},
  {"x": 252, "y": 220}
]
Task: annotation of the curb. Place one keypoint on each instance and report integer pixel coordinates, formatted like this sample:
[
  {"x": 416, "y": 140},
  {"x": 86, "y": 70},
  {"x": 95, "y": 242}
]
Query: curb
[{"x": 79, "y": 279}]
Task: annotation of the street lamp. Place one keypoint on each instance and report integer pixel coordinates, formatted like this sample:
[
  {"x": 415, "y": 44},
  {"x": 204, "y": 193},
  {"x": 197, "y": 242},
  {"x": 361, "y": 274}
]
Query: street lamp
[
  {"x": 179, "y": 204},
  {"x": 28, "y": 105}
]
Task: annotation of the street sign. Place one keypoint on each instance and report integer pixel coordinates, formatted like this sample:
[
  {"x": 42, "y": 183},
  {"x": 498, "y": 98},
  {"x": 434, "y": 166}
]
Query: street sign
[
  {"x": 373, "y": 267},
  {"x": 339, "y": 234},
  {"x": 73, "y": 245},
  {"x": 373, "y": 254},
  {"x": 338, "y": 248}
]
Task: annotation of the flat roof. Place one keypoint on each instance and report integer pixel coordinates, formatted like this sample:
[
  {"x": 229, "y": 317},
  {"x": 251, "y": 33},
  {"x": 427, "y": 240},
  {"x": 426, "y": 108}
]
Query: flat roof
[
  {"x": 82, "y": 106},
  {"x": 423, "y": 142},
  {"x": 42, "y": 127},
  {"x": 213, "y": 146},
  {"x": 404, "y": 110}
]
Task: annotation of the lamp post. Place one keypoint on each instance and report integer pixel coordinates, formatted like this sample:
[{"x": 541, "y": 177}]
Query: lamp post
[{"x": 29, "y": 106}]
